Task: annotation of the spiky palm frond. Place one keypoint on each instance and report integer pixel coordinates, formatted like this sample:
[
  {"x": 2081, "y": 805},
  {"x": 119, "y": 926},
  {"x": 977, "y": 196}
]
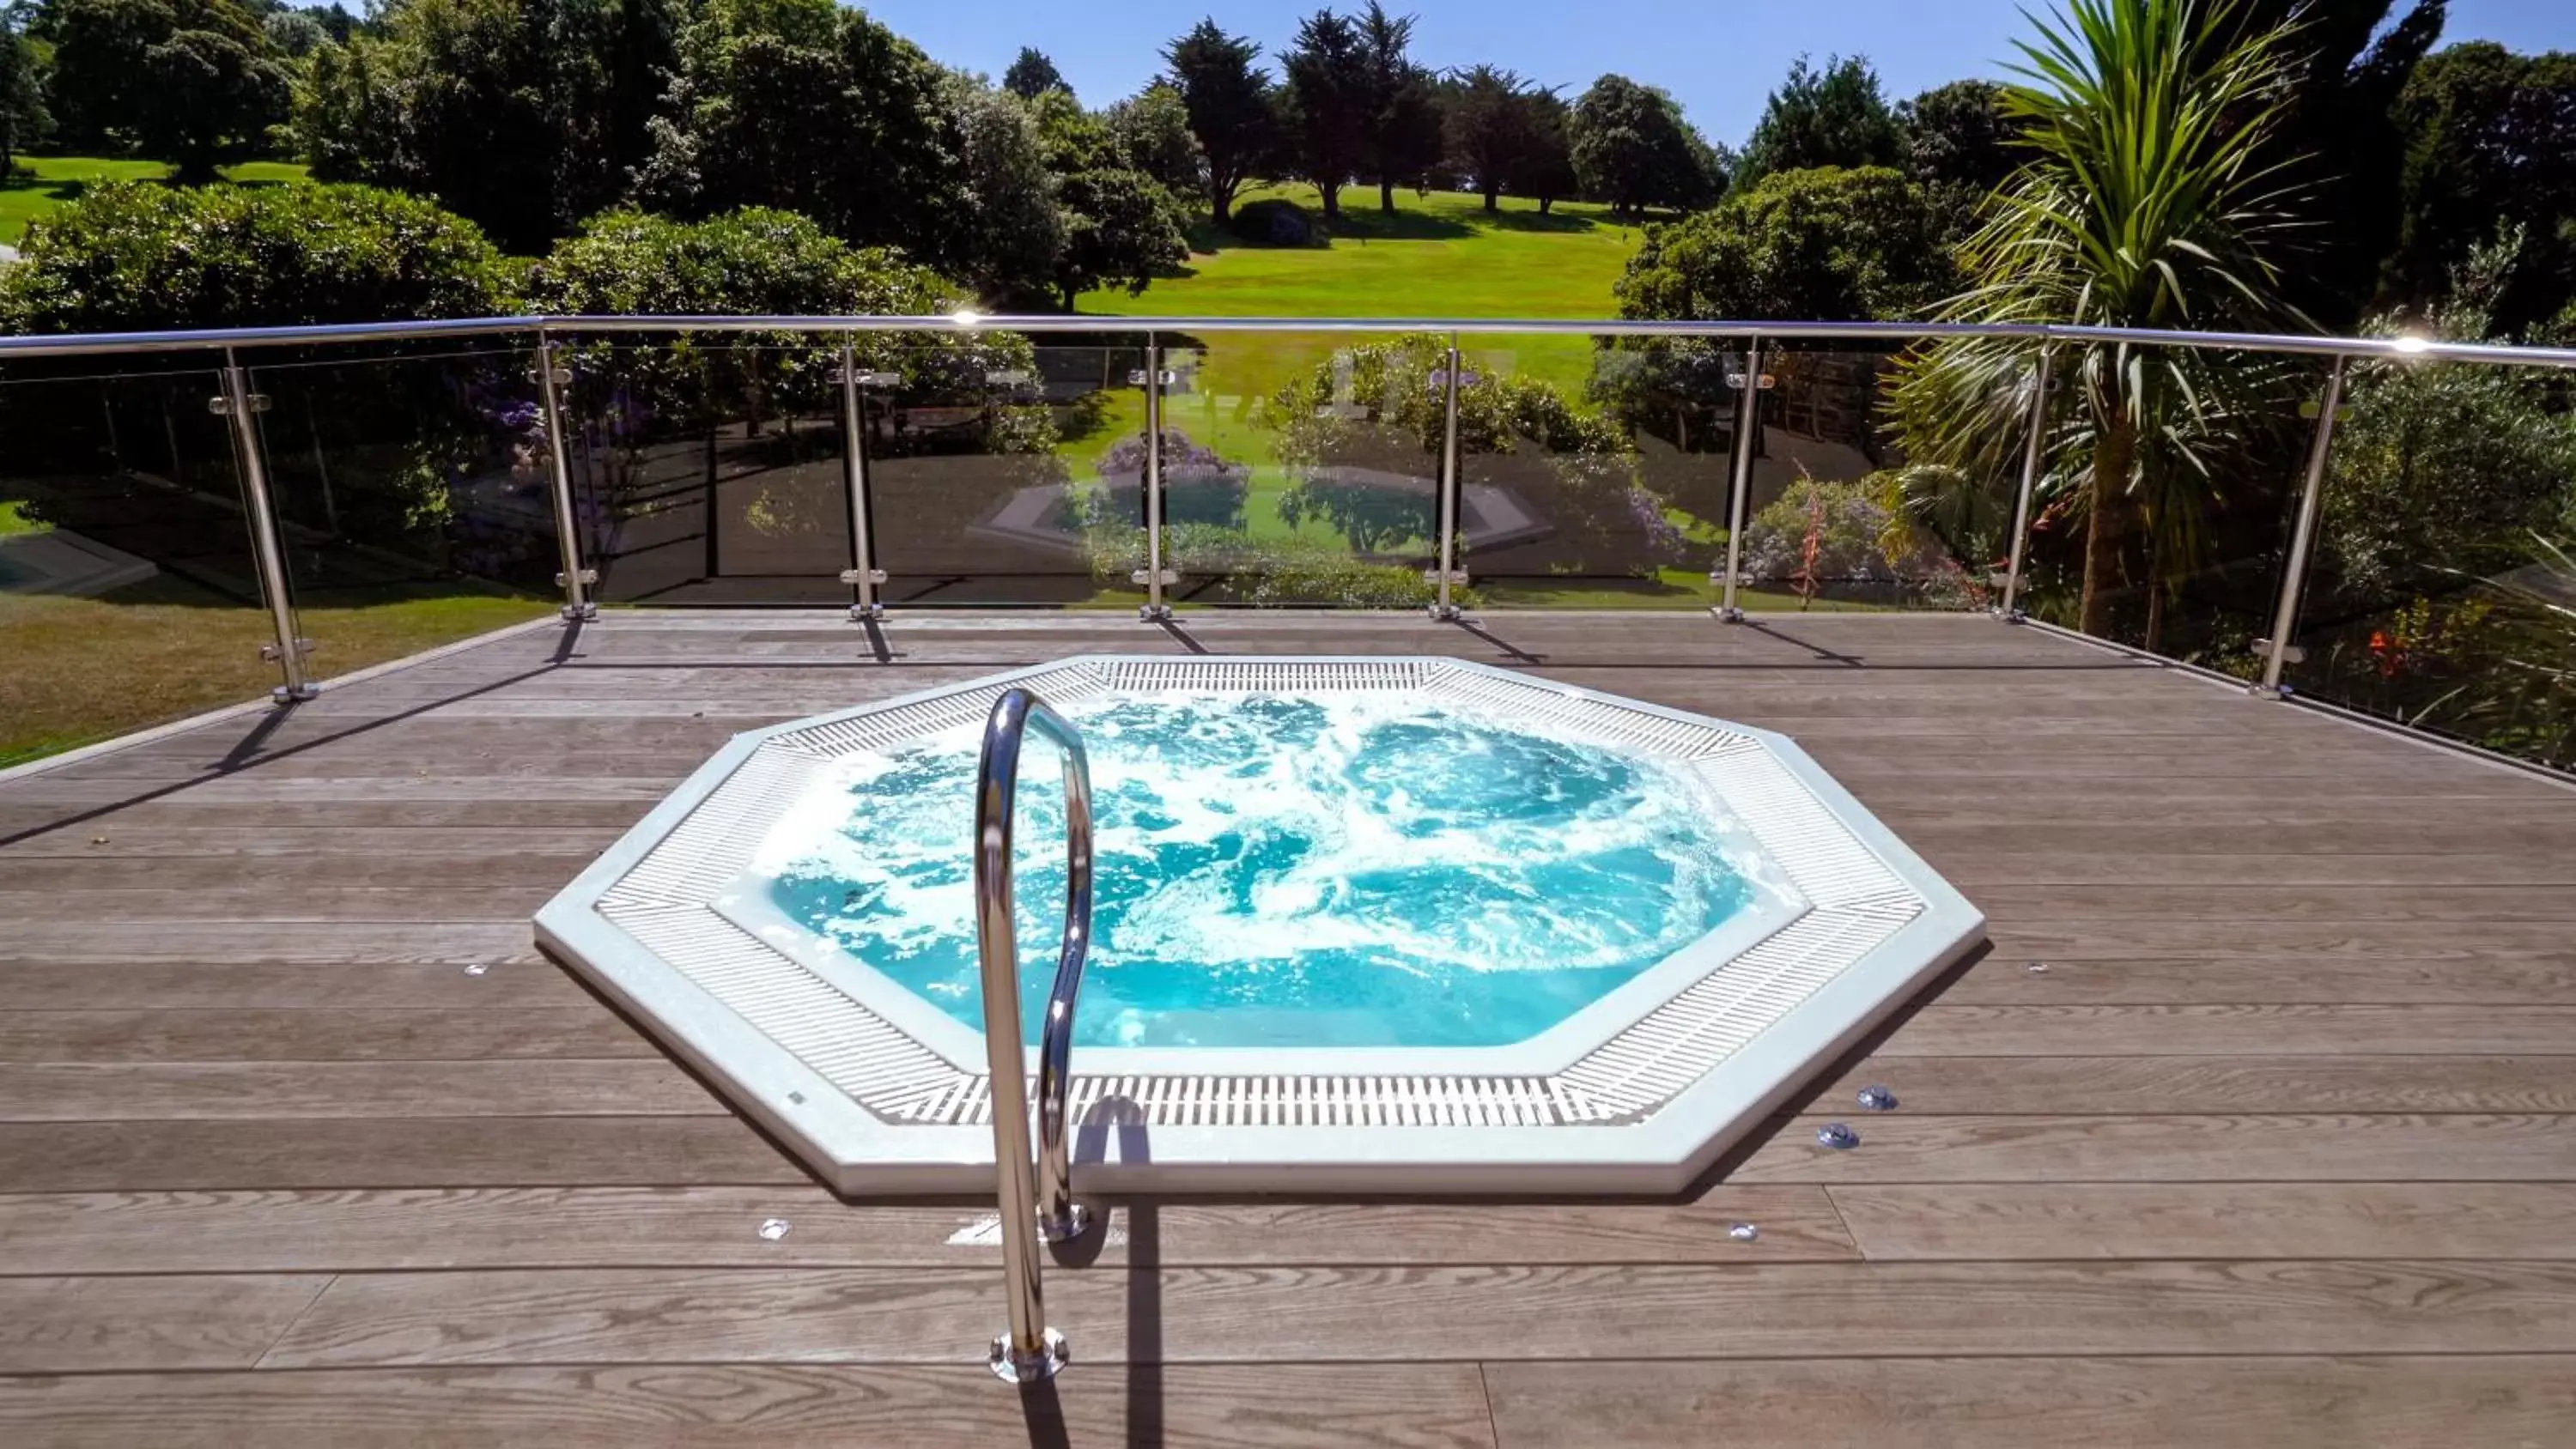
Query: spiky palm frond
[{"x": 2150, "y": 201}]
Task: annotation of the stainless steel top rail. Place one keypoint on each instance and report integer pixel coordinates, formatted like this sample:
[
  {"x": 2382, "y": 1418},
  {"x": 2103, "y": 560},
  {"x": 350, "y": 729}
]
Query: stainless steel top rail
[
  {"x": 1030, "y": 1350},
  {"x": 2392, "y": 349}
]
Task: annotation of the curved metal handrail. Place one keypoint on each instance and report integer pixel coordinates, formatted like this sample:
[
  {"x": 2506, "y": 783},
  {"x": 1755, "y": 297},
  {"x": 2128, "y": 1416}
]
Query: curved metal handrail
[{"x": 1031, "y": 1350}]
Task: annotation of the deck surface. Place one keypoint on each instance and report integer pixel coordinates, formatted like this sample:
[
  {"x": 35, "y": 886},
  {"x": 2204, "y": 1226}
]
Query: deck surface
[{"x": 301, "y": 1142}]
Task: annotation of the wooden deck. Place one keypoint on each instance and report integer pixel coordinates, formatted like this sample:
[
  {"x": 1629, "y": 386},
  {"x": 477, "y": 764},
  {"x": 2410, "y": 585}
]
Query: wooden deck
[{"x": 302, "y": 1143}]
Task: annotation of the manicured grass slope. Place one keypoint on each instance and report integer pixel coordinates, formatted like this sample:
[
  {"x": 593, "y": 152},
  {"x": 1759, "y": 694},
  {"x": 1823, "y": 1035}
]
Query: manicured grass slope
[
  {"x": 1441, "y": 255},
  {"x": 42, "y": 183},
  {"x": 85, "y": 669}
]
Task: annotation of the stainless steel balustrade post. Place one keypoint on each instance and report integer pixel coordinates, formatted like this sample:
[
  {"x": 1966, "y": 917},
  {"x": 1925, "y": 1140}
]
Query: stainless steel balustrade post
[
  {"x": 1153, "y": 577},
  {"x": 574, "y": 580},
  {"x": 2294, "y": 574},
  {"x": 1447, "y": 607},
  {"x": 1029, "y": 1351},
  {"x": 240, "y": 407},
  {"x": 2043, "y": 376},
  {"x": 863, "y": 575},
  {"x": 1748, "y": 421}
]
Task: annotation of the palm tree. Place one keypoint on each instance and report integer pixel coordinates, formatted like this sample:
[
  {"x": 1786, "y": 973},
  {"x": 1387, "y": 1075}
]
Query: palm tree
[{"x": 2149, "y": 201}]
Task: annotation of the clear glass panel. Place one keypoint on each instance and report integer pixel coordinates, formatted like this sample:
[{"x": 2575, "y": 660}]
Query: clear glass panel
[
  {"x": 1302, "y": 469},
  {"x": 128, "y": 595},
  {"x": 1005, "y": 472},
  {"x": 414, "y": 497},
  {"x": 1598, "y": 474},
  {"x": 1587, "y": 480},
  {"x": 707, "y": 470},
  {"x": 2188, "y": 563},
  {"x": 2443, "y": 592}
]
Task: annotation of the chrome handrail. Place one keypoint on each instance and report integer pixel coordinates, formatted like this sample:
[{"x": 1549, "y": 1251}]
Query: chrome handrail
[
  {"x": 1030, "y": 1351},
  {"x": 547, "y": 327}
]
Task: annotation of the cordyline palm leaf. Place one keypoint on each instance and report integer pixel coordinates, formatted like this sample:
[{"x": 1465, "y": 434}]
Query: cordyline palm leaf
[{"x": 2149, "y": 201}]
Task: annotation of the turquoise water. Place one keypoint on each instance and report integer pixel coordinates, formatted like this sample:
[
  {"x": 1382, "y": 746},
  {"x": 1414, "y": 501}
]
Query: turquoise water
[{"x": 1282, "y": 871}]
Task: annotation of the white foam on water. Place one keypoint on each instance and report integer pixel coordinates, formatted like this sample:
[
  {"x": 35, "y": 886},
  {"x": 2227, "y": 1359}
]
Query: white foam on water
[{"x": 1411, "y": 856}]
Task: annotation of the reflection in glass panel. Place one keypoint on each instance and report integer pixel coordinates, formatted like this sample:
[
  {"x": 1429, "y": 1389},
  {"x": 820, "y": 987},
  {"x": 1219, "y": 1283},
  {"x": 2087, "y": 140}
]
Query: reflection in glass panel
[
  {"x": 410, "y": 478},
  {"x": 2160, "y": 505},
  {"x": 2443, "y": 588},
  {"x": 128, "y": 595},
  {"x": 707, "y": 470},
  {"x": 1002, "y": 472}
]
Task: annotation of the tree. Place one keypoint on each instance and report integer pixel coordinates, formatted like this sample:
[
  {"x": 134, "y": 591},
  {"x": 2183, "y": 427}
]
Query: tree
[
  {"x": 2444, "y": 470},
  {"x": 523, "y": 115},
  {"x": 1121, "y": 228},
  {"x": 1959, "y": 146},
  {"x": 133, "y": 256},
  {"x": 1631, "y": 148},
  {"x": 2491, "y": 148},
  {"x": 191, "y": 82},
  {"x": 1830, "y": 117},
  {"x": 1230, "y": 107},
  {"x": 1329, "y": 95},
  {"x": 294, "y": 34},
  {"x": 1013, "y": 230},
  {"x": 801, "y": 105},
  {"x": 1401, "y": 130},
  {"x": 1820, "y": 244},
  {"x": 2145, "y": 205},
  {"x": 1152, "y": 128},
  {"x": 1548, "y": 171},
  {"x": 2342, "y": 140},
  {"x": 1958, "y": 136},
  {"x": 336, "y": 21},
  {"x": 1489, "y": 124},
  {"x": 1033, "y": 75},
  {"x": 24, "y": 119}
]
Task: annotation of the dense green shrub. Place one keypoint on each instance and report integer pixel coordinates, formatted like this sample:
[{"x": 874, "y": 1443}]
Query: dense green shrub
[
  {"x": 136, "y": 256},
  {"x": 753, "y": 260},
  {"x": 1827, "y": 245},
  {"x": 655, "y": 410}
]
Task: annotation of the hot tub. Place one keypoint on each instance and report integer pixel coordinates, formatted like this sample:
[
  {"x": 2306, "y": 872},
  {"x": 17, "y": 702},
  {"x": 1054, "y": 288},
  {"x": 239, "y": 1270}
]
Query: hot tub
[{"x": 1363, "y": 924}]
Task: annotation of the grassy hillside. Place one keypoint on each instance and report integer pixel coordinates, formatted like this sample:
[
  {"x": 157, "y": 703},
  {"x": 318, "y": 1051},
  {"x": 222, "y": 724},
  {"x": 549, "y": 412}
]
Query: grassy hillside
[
  {"x": 42, "y": 183},
  {"x": 1441, "y": 255}
]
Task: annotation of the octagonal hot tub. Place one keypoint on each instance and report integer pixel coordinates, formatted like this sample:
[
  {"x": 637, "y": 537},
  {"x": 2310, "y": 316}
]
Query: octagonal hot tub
[{"x": 1362, "y": 924}]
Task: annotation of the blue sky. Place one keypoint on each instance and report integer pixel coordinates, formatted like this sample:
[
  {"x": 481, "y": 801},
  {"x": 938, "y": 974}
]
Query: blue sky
[{"x": 1721, "y": 59}]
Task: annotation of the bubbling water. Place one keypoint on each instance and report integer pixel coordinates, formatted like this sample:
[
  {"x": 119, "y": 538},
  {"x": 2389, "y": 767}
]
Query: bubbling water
[{"x": 1283, "y": 871}]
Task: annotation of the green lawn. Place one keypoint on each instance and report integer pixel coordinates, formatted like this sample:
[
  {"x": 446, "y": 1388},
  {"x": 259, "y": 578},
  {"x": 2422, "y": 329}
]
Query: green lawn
[
  {"x": 86, "y": 669},
  {"x": 42, "y": 183},
  {"x": 1439, "y": 256}
]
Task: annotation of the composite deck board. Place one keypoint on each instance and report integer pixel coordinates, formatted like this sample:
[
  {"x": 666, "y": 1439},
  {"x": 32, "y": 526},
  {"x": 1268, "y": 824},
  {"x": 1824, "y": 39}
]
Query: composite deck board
[
  {"x": 503, "y": 985},
  {"x": 1428, "y": 1312},
  {"x": 1182, "y": 1406},
  {"x": 2289, "y": 1111},
  {"x": 2147, "y": 1084},
  {"x": 62, "y": 1324},
  {"x": 1979, "y": 1223},
  {"x": 316, "y": 1035},
  {"x": 2209, "y": 1403},
  {"x": 383, "y": 1230}
]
